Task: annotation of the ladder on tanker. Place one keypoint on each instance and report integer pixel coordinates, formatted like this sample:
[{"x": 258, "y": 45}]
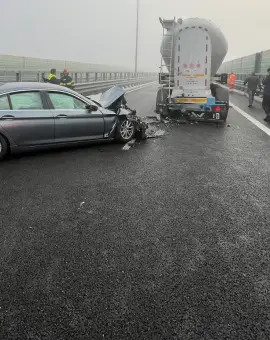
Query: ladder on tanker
[{"x": 168, "y": 26}]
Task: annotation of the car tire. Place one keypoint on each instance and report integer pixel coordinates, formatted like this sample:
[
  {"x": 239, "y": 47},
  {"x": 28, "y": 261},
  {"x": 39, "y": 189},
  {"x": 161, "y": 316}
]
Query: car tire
[
  {"x": 125, "y": 131},
  {"x": 3, "y": 147}
]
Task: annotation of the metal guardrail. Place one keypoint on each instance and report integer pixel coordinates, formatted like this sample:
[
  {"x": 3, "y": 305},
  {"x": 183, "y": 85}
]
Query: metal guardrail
[
  {"x": 101, "y": 86},
  {"x": 78, "y": 77},
  {"x": 239, "y": 85},
  {"x": 86, "y": 83}
]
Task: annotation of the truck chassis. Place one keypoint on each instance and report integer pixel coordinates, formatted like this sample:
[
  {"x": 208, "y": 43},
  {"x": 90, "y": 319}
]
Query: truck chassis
[{"x": 192, "y": 109}]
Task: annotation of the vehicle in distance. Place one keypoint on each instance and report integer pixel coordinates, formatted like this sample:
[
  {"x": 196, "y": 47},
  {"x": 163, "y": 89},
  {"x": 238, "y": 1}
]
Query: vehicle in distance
[
  {"x": 42, "y": 115},
  {"x": 192, "y": 51}
]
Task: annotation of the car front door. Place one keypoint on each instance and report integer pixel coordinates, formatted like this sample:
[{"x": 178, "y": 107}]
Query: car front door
[
  {"x": 73, "y": 122},
  {"x": 25, "y": 119}
]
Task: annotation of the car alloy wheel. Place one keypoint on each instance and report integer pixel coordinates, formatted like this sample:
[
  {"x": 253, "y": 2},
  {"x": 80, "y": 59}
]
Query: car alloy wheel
[{"x": 127, "y": 129}]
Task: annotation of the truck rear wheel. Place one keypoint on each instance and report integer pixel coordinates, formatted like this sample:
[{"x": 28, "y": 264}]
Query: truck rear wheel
[{"x": 161, "y": 101}]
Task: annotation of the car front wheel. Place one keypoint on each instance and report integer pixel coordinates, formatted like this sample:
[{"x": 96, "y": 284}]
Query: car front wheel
[
  {"x": 125, "y": 131},
  {"x": 3, "y": 147}
]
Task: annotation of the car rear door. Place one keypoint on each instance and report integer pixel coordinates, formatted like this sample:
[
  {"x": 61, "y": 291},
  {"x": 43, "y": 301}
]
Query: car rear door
[
  {"x": 73, "y": 122},
  {"x": 26, "y": 120}
]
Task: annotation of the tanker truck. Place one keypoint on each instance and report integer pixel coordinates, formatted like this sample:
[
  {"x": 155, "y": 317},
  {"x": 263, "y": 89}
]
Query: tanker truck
[{"x": 192, "y": 50}]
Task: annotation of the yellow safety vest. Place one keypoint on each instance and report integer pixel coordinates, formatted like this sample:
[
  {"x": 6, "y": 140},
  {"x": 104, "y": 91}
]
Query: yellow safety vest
[{"x": 51, "y": 76}]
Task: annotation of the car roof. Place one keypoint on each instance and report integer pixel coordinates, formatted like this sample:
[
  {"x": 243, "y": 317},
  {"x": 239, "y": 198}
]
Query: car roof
[{"x": 18, "y": 86}]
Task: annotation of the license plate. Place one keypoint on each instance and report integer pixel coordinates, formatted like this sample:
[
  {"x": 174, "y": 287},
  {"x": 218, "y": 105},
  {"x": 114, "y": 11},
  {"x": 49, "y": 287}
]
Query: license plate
[{"x": 191, "y": 100}]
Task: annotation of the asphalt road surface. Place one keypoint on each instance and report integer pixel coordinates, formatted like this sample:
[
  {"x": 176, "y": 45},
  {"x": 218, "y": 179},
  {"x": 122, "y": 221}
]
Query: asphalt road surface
[{"x": 169, "y": 240}]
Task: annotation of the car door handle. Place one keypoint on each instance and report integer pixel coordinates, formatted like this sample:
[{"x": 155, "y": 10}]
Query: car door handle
[
  {"x": 7, "y": 117},
  {"x": 62, "y": 116}
]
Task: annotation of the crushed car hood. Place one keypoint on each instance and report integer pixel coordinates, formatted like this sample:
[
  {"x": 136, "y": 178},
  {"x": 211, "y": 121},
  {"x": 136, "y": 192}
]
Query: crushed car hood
[{"x": 110, "y": 96}]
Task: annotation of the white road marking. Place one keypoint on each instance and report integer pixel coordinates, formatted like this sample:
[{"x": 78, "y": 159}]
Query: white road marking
[
  {"x": 251, "y": 119},
  {"x": 127, "y": 89},
  {"x": 141, "y": 86}
]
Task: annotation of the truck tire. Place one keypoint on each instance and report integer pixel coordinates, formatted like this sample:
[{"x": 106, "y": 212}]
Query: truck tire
[{"x": 161, "y": 100}]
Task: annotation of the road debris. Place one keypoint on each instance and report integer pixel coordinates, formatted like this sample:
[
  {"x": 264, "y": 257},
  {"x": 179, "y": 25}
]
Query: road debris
[
  {"x": 81, "y": 205},
  {"x": 126, "y": 147},
  {"x": 154, "y": 127},
  {"x": 132, "y": 142},
  {"x": 153, "y": 133},
  {"x": 129, "y": 144},
  {"x": 151, "y": 120},
  {"x": 151, "y": 117},
  {"x": 159, "y": 133}
]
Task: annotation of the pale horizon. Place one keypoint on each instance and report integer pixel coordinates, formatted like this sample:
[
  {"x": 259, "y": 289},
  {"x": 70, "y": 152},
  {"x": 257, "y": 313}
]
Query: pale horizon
[{"x": 103, "y": 32}]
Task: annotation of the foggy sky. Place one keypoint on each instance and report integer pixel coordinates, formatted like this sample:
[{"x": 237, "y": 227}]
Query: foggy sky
[{"x": 103, "y": 31}]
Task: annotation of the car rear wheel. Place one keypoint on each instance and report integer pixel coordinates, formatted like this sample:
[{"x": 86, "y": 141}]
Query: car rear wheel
[
  {"x": 125, "y": 131},
  {"x": 3, "y": 147}
]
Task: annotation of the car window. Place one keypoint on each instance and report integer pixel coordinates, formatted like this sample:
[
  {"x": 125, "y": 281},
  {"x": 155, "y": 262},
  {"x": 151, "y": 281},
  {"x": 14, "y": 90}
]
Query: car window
[
  {"x": 65, "y": 101},
  {"x": 4, "y": 104},
  {"x": 26, "y": 101}
]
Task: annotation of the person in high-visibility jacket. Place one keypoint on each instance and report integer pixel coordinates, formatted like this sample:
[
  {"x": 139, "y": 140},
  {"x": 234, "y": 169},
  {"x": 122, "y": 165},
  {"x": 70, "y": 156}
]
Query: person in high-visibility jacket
[
  {"x": 232, "y": 79},
  {"x": 52, "y": 77},
  {"x": 66, "y": 79}
]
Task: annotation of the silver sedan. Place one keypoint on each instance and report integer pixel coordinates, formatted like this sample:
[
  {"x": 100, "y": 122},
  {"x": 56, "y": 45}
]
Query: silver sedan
[{"x": 38, "y": 115}]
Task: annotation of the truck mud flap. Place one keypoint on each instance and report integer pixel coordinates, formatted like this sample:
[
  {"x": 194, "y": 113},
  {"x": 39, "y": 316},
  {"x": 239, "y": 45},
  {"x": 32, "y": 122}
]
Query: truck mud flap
[{"x": 222, "y": 94}]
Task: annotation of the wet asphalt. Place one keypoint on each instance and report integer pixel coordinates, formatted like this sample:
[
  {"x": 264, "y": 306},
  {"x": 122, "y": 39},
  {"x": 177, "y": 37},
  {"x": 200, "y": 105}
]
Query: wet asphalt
[{"x": 169, "y": 240}]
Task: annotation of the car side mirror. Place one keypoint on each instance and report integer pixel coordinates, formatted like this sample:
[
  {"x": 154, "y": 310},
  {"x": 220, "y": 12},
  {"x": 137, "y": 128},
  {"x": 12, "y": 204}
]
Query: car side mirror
[{"x": 91, "y": 108}]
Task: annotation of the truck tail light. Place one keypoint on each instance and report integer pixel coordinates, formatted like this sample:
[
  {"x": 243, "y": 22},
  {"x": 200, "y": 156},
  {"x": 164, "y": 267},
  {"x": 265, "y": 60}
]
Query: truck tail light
[{"x": 218, "y": 108}]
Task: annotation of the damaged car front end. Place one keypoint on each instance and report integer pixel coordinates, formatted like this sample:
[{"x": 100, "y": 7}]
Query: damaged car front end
[{"x": 128, "y": 124}]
